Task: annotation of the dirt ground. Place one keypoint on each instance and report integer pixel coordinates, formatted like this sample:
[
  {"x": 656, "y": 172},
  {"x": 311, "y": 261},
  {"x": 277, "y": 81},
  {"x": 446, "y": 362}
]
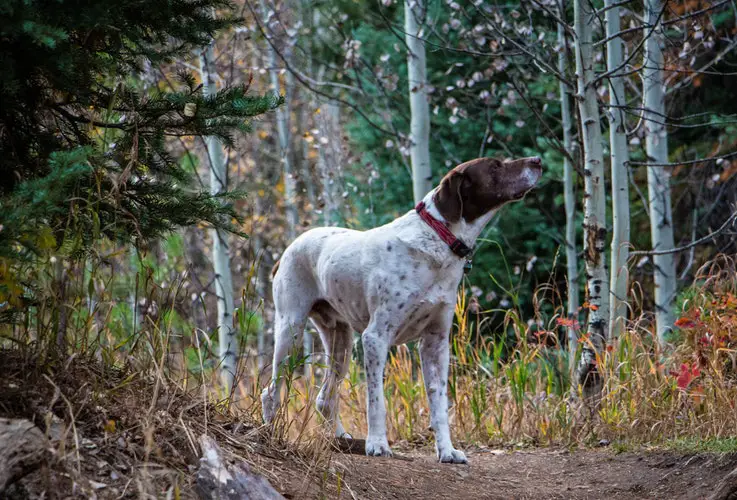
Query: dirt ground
[
  {"x": 533, "y": 474},
  {"x": 114, "y": 436}
]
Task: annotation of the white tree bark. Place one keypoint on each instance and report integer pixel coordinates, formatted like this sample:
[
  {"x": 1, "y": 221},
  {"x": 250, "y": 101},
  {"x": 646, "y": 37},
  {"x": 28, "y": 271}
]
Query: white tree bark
[
  {"x": 414, "y": 16},
  {"x": 329, "y": 162},
  {"x": 285, "y": 153},
  {"x": 618, "y": 284},
  {"x": 594, "y": 224},
  {"x": 227, "y": 341},
  {"x": 307, "y": 16},
  {"x": 282, "y": 128},
  {"x": 658, "y": 178},
  {"x": 568, "y": 189},
  {"x": 264, "y": 261}
]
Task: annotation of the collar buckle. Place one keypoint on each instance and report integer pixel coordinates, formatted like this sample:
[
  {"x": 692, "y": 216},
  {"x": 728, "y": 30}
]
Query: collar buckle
[{"x": 456, "y": 245}]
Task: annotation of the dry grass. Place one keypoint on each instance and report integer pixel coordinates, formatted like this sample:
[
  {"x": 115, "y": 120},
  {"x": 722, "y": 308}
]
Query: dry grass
[
  {"x": 124, "y": 406},
  {"x": 683, "y": 393},
  {"x": 138, "y": 403}
]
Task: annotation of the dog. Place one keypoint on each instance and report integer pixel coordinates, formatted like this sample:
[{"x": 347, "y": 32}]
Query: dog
[{"x": 394, "y": 283}]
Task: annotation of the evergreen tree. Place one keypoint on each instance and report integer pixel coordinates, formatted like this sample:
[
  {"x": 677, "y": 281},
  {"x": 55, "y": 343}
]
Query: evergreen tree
[{"x": 83, "y": 151}]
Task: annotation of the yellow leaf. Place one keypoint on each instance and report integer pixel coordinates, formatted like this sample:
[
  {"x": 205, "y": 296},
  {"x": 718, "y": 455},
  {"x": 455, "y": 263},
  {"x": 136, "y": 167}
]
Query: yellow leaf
[{"x": 109, "y": 426}]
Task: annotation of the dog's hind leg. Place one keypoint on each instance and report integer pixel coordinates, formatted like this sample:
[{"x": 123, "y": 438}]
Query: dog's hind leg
[
  {"x": 292, "y": 310},
  {"x": 287, "y": 334},
  {"x": 337, "y": 341}
]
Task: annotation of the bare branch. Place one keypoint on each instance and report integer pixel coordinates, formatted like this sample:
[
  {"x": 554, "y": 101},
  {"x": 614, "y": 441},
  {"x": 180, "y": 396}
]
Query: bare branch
[
  {"x": 714, "y": 61},
  {"x": 635, "y": 51},
  {"x": 679, "y": 163},
  {"x": 613, "y": 6},
  {"x": 696, "y": 13},
  {"x": 306, "y": 84},
  {"x": 706, "y": 238}
]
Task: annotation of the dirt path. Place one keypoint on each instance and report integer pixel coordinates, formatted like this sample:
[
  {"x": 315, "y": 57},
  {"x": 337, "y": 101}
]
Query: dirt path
[
  {"x": 533, "y": 474},
  {"x": 115, "y": 448}
]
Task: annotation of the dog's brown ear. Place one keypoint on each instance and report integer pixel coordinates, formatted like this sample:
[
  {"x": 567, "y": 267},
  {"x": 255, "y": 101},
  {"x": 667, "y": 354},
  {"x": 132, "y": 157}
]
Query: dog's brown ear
[{"x": 448, "y": 199}]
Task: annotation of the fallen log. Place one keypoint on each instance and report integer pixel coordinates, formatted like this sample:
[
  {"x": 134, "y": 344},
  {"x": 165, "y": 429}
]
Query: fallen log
[
  {"x": 218, "y": 480},
  {"x": 23, "y": 449}
]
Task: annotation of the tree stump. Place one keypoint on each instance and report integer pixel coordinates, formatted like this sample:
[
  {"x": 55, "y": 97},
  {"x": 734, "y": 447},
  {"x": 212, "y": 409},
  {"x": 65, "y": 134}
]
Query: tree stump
[
  {"x": 23, "y": 449},
  {"x": 216, "y": 479}
]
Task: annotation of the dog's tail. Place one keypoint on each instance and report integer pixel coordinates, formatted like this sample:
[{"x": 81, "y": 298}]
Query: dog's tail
[{"x": 275, "y": 269}]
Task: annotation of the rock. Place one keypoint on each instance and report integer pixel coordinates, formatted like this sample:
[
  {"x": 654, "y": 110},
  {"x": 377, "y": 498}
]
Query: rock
[
  {"x": 23, "y": 449},
  {"x": 216, "y": 479}
]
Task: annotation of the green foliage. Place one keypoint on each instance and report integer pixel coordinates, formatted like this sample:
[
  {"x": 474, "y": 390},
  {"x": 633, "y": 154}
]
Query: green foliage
[
  {"x": 83, "y": 151},
  {"x": 476, "y": 110}
]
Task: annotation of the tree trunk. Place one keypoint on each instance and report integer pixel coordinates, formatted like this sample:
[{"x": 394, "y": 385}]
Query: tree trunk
[
  {"x": 568, "y": 190},
  {"x": 133, "y": 290},
  {"x": 306, "y": 15},
  {"x": 227, "y": 342},
  {"x": 264, "y": 261},
  {"x": 61, "y": 290},
  {"x": 594, "y": 224},
  {"x": 620, "y": 193},
  {"x": 414, "y": 18},
  {"x": 285, "y": 153},
  {"x": 282, "y": 128},
  {"x": 328, "y": 162},
  {"x": 658, "y": 178}
]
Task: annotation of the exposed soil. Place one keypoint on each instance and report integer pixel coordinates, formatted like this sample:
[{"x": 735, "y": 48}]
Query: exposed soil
[
  {"x": 537, "y": 473},
  {"x": 129, "y": 438}
]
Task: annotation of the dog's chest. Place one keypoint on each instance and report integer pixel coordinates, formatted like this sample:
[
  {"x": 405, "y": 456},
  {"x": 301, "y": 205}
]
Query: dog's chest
[
  {"x": 413, "y": 299},
  {"x": 424, "y": 313}
]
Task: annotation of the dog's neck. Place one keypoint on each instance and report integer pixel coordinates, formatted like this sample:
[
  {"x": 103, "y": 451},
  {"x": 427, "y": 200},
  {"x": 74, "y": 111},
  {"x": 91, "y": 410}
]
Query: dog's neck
[{"x": 466, "y": 231}]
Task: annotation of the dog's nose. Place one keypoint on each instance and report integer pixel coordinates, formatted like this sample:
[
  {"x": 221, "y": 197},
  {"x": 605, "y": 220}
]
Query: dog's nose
[{"x": 536, "y": 160}]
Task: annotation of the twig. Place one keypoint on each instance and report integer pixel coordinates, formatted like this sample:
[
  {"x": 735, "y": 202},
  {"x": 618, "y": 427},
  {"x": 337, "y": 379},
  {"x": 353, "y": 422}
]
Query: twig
[
  {"x": 679, "y": 163},
  {"x": 691, "y": 252},
  {"x": 301, "y": 80},
  {"x": 72, "y": 419},
  {"x": 690, "y": 245}
]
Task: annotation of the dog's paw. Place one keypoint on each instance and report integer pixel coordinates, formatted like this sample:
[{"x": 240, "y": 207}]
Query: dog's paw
[
  {"x": 378, "y": 448},
  {"x": 452, "y": 456}
]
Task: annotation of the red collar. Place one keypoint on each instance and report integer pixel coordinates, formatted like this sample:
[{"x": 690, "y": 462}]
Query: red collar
[{"x": 455, "y": 244}]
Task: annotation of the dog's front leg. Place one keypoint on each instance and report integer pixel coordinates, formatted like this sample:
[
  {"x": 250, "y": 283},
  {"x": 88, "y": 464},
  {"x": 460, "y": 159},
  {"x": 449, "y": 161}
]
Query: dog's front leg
[
  {"x": 375, "y": 350},
  {"x": 435, "y": 354}
]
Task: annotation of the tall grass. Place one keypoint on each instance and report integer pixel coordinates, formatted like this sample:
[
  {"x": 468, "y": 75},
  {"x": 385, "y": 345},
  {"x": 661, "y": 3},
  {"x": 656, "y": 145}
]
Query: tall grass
[
  {"x": 500, "y": 391},
  {"x": 652, "y": 394}
]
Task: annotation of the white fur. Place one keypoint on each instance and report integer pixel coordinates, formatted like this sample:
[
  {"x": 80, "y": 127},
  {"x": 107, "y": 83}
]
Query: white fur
[{"x": 394, "y": 283}]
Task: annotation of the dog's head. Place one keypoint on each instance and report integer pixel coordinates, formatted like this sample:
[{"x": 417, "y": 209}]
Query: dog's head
[{"x": 474, "y": 188}]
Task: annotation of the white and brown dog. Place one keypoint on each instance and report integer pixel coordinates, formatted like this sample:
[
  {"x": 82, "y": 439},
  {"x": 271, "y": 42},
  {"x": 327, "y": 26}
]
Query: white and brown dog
[{"x": 394, "y": 283}]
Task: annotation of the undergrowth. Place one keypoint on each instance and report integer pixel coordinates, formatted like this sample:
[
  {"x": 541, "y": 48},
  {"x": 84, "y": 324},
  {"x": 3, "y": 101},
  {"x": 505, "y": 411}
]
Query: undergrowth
[
  {"x": 136, "y": 344},
  {"x": 684, "y": 392}
]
